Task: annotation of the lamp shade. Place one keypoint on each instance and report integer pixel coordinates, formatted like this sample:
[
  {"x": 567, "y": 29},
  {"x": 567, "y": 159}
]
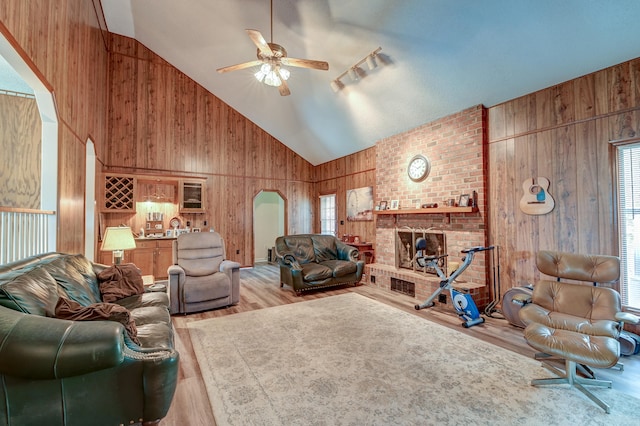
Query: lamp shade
[{"x": 117, "y": 238}]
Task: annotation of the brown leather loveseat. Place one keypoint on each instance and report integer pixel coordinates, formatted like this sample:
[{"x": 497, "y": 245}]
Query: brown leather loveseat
[
  {"x": 57, "y": 371},
  {"x": 310, "y": 261}
]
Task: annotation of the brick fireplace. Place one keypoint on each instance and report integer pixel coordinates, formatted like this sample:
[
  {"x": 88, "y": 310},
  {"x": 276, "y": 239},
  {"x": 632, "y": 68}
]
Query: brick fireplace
[
  {"x": 405, "y": 248},
  {"x": 456, "y": 147}
]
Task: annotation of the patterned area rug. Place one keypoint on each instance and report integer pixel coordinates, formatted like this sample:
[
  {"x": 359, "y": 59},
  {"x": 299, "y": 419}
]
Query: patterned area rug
[{"x": 349, "y": 360}]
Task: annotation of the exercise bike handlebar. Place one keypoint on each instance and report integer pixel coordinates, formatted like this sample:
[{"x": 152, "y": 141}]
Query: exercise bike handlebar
[
  {"x": 477, "y": 248},
  {"x": 466, "y": 261}
]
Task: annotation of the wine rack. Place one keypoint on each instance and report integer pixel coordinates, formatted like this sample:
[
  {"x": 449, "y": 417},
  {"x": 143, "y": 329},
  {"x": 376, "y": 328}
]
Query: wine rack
[{"x": 119, "y": 193}]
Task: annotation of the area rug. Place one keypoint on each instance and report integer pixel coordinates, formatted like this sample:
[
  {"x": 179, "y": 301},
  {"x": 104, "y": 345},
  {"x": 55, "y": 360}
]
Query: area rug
[{"x": 350, "y": 360}]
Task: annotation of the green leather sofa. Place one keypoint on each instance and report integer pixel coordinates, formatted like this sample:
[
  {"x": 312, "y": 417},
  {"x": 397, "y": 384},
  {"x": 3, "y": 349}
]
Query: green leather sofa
[
  {"x": 311, "y": 261},
  {"x": 61, "y": 372}
]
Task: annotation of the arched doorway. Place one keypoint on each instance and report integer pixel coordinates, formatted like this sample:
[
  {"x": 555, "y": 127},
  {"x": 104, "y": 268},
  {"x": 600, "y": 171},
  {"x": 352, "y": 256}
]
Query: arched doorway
[
  {"x": 269, "y": 222},
  {"x": 42, "y": 221}
]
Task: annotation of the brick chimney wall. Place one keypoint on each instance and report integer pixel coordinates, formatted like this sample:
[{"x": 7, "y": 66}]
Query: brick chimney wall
[{"x": 456, "y": 145}]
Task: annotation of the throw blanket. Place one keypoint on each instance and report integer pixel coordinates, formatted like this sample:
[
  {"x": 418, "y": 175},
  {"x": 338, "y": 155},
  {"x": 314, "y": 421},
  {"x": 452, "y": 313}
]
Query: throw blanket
[
  {"x": 120, "y": 281},
  {"x": 71, "y": 310}
]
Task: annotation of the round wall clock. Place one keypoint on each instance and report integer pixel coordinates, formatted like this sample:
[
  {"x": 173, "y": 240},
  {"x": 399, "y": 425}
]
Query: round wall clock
[{"x": 419, "y": 168}]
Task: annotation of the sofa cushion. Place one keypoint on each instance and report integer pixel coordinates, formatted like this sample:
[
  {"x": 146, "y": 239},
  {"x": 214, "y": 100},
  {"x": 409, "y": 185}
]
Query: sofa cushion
[
  {"x": 156, "y": 335},
  {"x": 324, "y": 247},
  {"x": 33, "y": 292},
  {"x": 316, "y": 272},
  {"x": 73, "y": 279},
  {"x": 340, "y": 268},
  {"x": 302, "y": 248},
  {"x": 150, "y": 298}
]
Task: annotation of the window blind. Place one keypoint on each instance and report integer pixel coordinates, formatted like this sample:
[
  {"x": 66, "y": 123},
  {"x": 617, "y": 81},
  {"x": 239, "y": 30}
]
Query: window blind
[{"x": 629, "y": 219}]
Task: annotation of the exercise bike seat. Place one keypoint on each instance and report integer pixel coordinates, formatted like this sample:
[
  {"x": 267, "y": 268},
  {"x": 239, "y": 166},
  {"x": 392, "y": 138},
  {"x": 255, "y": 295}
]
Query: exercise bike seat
[
  {"x": 423, "y": 261},
  {"x": 431, "y": 257}
]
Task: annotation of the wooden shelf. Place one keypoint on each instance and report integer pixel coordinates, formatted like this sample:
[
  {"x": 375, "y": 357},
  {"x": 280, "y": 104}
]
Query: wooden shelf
[{"x": 433, "y": 210}]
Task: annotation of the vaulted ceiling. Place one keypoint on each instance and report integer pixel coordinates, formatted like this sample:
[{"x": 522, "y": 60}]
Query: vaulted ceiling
[{"x": 438, "y": 57}]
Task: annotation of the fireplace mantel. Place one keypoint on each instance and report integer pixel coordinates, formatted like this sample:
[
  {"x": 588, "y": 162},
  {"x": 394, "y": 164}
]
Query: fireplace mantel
[{"x": 432, "y": 210}]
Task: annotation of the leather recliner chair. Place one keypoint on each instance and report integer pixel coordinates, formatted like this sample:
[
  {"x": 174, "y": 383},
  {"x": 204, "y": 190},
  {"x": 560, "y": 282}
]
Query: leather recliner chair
[
  {"x": 578, "y": 322},
  {"x": 201, "y": 278}
]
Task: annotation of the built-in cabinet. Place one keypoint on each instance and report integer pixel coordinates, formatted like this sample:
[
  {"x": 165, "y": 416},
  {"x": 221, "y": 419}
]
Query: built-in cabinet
[
  {"x": 151, "y": 256},
  {"x": 119, "y": 193},
  {"x": 191, "y": 195}
]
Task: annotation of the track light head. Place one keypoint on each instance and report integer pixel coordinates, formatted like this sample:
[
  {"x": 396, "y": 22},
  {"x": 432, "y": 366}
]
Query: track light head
[
  {"x": 371, "y": 62},
  {"x": 337, "y": 85}
]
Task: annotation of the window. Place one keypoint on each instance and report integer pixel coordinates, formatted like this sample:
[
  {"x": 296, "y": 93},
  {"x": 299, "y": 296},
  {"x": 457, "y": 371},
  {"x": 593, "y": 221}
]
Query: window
[
  {"x": 629, "y": 219},
  {"x": 328, "y": 214}
]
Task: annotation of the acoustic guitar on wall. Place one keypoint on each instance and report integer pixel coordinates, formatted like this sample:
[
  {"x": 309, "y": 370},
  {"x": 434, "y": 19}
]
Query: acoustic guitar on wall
[{"x": 536, "y": 199}]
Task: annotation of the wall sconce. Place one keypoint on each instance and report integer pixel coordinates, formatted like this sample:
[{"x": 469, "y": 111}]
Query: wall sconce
[{"x": 354, "y": 72}]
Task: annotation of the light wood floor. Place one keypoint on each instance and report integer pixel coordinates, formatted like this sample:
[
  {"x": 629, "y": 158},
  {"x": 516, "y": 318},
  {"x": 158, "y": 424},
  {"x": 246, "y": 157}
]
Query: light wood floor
[{"x": 260, "y": 288}]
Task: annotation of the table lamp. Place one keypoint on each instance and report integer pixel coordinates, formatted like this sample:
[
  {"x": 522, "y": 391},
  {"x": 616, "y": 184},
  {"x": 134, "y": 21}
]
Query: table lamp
[{"x": 118, "y": 239}]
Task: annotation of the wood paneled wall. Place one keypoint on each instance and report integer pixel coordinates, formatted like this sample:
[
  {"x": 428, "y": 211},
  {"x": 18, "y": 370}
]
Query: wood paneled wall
[
  {"x": 64, "y": 42},
  {"x": 561, "y": 133},
  {"x": 337, "y": 177},
  {"x": 162, "y": 122},
  {"x": 20, "y": 132}
]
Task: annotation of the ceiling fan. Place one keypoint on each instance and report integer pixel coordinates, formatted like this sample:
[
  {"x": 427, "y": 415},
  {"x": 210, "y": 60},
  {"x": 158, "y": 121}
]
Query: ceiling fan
[{"x": 270, "y": 58}]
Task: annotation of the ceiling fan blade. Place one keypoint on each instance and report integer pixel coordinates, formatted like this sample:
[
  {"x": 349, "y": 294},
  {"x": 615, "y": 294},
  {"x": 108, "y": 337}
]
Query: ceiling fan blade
[
  {"x": 260, "y": 42},
  {"x": 284, "y": 89},
  {"x": 239, "y": 66},
  {"x": 305, "y": 63}
]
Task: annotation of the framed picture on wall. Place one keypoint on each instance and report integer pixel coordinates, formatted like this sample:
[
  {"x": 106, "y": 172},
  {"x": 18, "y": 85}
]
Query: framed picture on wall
[
  {"x": 464, "y": 200},
  {"x": 360, "y": 204},
  {"x": 395, "y": 205}
]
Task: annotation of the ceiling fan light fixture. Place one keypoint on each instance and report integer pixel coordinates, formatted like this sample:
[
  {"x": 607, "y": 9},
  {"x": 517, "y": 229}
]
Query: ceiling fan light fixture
[
  {"x": 272, "y": 79},
  {"x": 284, "y": 73},
  {"x": 265, "y": 69}
]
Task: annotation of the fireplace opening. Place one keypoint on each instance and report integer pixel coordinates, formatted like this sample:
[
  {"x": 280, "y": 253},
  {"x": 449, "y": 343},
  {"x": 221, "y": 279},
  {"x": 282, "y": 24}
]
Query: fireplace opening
[{"x": 436, "y": 244}]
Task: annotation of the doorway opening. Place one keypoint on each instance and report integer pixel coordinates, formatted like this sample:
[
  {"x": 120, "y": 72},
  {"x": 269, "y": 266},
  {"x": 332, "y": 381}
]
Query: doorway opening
[
  {"x": 269, "y": 222},
  {"x": 25, "y": 223}
]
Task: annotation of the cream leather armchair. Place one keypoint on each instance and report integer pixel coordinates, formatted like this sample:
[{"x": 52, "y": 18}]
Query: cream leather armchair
[
  {"x": 201, "y": 278},
  {"x": 578, "y": 322}
]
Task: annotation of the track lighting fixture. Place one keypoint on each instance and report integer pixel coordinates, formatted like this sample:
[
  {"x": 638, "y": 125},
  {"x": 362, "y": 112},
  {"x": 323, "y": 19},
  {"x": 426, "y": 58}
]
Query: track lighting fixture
[{"x": 355, "y": 71}]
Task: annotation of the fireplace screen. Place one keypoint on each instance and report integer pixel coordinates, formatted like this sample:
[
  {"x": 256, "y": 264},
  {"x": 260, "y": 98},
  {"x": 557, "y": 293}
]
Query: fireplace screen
[{"x": 406, "y": 248}]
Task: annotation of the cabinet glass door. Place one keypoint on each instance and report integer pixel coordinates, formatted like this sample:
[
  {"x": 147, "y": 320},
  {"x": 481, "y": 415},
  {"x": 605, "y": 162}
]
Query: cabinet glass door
[{"x": 192, "y": 197}]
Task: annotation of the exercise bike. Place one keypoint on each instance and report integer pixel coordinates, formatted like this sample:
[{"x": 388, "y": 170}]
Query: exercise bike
[{"x": 462, "y": 302}]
